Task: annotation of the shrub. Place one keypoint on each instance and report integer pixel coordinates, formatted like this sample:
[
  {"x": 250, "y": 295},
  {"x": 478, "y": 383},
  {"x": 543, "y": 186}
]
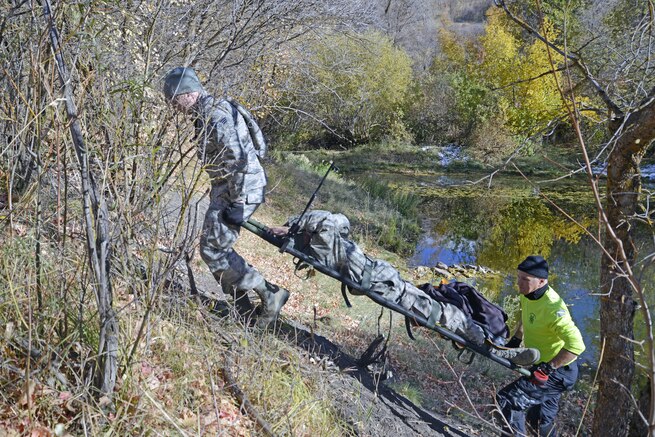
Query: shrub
[{"x": 355, "y": 85}]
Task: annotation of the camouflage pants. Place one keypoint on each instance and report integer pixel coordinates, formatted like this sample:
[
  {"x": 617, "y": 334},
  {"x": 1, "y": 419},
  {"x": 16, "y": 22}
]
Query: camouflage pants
[
  {"x": 228, "y": 267},
  {"x": 539, "y": 402},
  {"x": 387, "y": 283},
  {"x": 384, "y": 279}
]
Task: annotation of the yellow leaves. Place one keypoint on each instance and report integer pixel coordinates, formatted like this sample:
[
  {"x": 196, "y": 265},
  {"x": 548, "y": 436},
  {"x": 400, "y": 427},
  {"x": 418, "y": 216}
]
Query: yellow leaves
[
  {"x": 500, "y": 52},
  {"x": 522, "y": 228},
  {"x": 519, "y": 74},
  {"x": 451, "y": 49},
  {"x": 374, "y": 68}
]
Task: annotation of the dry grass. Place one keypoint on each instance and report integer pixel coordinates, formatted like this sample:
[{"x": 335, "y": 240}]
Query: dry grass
[{"x": 175, "y": 382}]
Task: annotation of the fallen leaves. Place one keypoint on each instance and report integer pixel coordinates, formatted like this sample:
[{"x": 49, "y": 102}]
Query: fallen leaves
[
  {"x": 40, "y": 431},
  {"x": 27, "y": 394}
]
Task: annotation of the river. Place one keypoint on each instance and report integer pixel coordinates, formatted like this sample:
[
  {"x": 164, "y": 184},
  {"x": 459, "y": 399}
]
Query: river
[{"x": 496, "y": 225}]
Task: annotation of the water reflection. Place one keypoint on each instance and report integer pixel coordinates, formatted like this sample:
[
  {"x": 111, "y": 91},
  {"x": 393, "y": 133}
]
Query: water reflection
[
  {"x": 499, "y": 227},
  {"x": 496, "y": 225},
  {"x": 494, "y": 232}
]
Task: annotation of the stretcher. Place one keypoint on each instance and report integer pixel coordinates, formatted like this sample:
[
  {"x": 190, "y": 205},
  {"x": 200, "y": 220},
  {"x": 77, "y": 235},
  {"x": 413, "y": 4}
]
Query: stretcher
[{"x": 280, "y": 242}]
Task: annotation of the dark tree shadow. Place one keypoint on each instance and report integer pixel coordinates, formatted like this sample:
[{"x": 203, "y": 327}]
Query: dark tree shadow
[{"x": 370, "y": 407}]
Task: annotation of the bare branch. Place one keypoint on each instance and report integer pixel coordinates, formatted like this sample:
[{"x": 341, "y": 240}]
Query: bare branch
[{"x": 97, "y": 226}]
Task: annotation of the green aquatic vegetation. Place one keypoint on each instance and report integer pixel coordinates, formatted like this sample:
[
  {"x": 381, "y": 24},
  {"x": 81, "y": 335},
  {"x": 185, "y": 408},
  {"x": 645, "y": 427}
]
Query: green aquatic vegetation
[
  {"x": 573, "y": 196},
  {"x": 376, "y": 211},
  {"x": 408, "y": 159}
]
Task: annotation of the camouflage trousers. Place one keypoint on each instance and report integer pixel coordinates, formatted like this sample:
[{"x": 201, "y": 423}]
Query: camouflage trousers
[
  {"x": 540, "y": 403},
  {"x": 231, "y": 271},
  {"x": 387, "y": 283}
]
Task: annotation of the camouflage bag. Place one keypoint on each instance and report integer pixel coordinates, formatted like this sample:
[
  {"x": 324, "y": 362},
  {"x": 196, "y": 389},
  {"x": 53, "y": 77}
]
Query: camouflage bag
[{"x": 255, "y": 132}]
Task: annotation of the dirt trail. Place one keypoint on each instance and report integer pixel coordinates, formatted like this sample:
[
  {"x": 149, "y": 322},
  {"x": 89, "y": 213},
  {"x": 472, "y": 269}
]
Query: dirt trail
[{"x": 371, "y": 408}]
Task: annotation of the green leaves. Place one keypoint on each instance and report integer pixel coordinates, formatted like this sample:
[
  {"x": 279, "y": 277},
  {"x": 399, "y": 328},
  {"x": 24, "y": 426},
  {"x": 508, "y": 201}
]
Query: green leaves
[{"x": 357, "y": 84}]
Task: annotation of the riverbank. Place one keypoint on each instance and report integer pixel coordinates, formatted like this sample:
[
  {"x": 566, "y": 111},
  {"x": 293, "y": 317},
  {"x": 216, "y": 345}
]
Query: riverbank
[
  {"x": 184, "y": 373},
  {"x": 379, "y": 216},
  {"x": 549, "y": 163},
  {"x": 427, "y": 370}
]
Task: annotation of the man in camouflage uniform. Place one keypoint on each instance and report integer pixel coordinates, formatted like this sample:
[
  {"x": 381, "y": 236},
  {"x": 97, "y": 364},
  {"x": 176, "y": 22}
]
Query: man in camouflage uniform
[
  {"x": 325, "y": 237},
  {"x": 238, "y": 182}
]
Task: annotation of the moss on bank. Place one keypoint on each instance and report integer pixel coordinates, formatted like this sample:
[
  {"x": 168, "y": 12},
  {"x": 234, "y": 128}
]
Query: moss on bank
[{"x": 400, "y": 158}]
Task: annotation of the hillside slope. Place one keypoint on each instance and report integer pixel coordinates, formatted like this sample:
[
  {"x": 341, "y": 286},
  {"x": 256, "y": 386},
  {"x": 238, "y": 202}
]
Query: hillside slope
[{"x": 362, "y": 403}]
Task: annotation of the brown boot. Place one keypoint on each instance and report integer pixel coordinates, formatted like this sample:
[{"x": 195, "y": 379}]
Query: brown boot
[{"x": 273, "y": 299}]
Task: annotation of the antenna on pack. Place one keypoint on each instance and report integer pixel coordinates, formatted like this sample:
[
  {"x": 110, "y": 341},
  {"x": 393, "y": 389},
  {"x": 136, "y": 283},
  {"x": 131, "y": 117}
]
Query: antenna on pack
[{"x": 293, "y": 230}]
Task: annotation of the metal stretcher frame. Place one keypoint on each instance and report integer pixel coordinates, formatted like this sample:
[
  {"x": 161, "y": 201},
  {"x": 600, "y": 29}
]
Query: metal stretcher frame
[{"x": 263, "y": 232}]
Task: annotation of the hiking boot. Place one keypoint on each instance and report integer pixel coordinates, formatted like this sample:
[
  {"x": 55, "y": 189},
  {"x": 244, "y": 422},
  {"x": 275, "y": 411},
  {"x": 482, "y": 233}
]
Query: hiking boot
[
  {"x": 521, "y": 356},
  {"x": 273, "y": 299},
  {"x": 242, "y": 304}
]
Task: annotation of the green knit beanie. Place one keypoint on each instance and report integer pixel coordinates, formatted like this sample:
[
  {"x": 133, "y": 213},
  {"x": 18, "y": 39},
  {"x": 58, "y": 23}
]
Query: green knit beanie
[{"x": 181, "y": 80}]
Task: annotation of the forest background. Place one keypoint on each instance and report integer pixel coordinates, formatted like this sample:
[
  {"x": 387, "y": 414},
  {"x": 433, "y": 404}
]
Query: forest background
[{"x": 93, "y": 159}]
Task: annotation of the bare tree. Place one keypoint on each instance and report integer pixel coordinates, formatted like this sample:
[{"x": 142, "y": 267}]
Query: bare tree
[
  {"x": 96, "y": 218},
  {"x": 625, "y": 87},
  {"x": 226, "y": 41},
  {"x": 102, "y": 62}
]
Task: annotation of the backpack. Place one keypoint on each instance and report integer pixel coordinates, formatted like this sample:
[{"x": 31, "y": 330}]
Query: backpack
[
  {"x": 322, "y": 236},
  {"x": 489, "y": 316},
  {"x": 256, "y": 134}
]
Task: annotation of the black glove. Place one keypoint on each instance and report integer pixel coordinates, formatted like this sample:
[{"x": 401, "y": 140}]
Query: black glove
[
  {"x": 513, "y": 342},
  {"x": 540, "y": 373},
  {"x": 233, "y": 214}
]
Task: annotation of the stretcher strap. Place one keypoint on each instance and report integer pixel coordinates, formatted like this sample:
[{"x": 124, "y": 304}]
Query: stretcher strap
[
  {"x": 366, "y": 275},
  {"x": 345, "y": 295}
]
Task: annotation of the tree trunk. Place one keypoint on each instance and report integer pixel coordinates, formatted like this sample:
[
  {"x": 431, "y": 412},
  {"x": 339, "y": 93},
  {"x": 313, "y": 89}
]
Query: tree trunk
[
  {"x": 633, "y": 130},
  {"x": 96, "y": 217},
  {"x": 616, "y": 312},
  {"x": 617, "y": 306}
]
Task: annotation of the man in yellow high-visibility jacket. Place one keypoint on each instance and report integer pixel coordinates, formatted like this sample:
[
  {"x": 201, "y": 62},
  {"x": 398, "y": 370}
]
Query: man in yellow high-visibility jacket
[{"x": 546, "y": 325}]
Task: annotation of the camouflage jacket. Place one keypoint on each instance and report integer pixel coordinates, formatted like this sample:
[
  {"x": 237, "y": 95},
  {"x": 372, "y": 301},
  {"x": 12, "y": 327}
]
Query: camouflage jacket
[{"x": 227, "y": 152}]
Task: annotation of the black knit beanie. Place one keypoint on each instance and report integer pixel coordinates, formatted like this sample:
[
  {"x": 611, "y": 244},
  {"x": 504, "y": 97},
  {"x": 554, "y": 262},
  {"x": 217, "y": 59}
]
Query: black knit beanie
[{"x": 535, "y": 265}]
